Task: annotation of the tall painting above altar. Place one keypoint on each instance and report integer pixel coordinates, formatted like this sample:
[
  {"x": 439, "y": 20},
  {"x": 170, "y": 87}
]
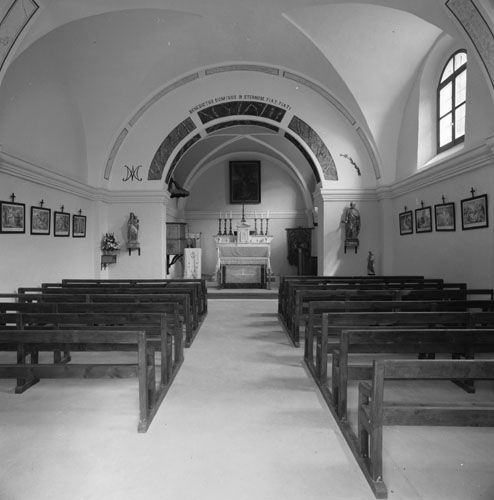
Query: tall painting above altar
[{"x": 245, "y": 182}]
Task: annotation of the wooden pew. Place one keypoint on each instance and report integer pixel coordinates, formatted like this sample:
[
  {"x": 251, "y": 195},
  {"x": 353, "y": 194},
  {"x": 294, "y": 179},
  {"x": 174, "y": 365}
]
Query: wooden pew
[
  {"x": 154, "y": 324},
  {"x": 302, "y": 299},
  {"x": 288, "y": 285},
  {"x": 121, "y": 295},
  {"x": 394, "y": 342},
  {"x": 193, "y": 290},
  {"x": 150, "y": 394},
  {"x": 198, "y": 285},
  {"x": 374, "y": 412},
  {"x": 319, "y": 343},
  {"x": 299, "y": 295},
  {"x": 285, "y": 280},
  {"x": 399, "y": 300},
  {"x": 199, "y": 282}
]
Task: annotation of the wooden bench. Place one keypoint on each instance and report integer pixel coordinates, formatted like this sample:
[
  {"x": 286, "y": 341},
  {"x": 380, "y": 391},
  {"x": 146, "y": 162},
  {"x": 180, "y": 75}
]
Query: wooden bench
[
  {"x": 319, "y": 342},
  {"x": 200, "y": 283},
  {"x": 375, "y": 412},
  {"x": 386, "y": 301},
  {"x": 394, "y": 342},
  {"x": 123, "y": 295},
  {"x": 300, "y": 296},
  {"x": 150, "y": 394},
  {"x": 164, "y": 339},
  {"x": 289, "y": 285}
]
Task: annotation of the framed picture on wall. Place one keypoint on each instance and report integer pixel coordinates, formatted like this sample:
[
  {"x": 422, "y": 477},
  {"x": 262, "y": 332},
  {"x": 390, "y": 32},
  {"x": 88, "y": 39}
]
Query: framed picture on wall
[
  {"x": 61, "y": 224},
  {"x": 40, "y": 220},
  {"x": 423, "y": 220},
  {"x": 13, "y": 217},
  {"x": 445, "y": 218},
  {"x": 78, "y": 226},
  {"x": 406, "y": 222},
  {"x": 245, "y": 182},
  {"x": 474, "y": 212}
]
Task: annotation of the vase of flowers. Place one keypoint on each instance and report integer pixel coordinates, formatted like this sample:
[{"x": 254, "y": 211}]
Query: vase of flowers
[{"x": 109, "y": 244}]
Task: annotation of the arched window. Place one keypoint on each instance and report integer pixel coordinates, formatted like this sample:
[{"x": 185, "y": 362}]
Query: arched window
[{"x": 451, "y": 98}]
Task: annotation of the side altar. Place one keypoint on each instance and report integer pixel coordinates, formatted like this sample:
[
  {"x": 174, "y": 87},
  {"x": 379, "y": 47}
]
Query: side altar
[{"x": 243, "y": 259}]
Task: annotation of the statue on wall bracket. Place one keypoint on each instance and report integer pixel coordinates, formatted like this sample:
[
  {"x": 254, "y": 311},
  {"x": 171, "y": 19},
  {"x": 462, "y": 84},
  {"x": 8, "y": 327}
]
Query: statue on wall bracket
[
  {"x": 351, "y": 219},
  {"x": 133, "y": 234}
]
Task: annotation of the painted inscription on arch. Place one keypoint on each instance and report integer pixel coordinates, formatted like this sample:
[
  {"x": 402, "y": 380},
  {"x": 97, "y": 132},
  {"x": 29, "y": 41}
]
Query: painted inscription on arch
[
  {"x": 246, "y": 108},
  {"x": 178, "y": 134},
  {"x": 317, "y": 146}
]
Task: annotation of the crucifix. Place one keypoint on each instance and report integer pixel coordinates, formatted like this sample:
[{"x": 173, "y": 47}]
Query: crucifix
[
  {"x": 12, "y": 197},
  {"x": 444, "y": 199},
  {"x": 473, "y": 192},
  {"x": 41, "y": 203}
]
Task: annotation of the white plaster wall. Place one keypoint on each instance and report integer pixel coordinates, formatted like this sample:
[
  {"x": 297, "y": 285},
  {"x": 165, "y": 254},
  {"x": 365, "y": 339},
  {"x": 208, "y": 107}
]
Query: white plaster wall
[
  {"x": 152, "y": 238},
  {"x": 280, "y": 194},
  {"x": 29, "y": 260},
  {"x": 40, "y": 120},
  {"x": 146, "y": 135},
  {"x": 459, "y": 256}
]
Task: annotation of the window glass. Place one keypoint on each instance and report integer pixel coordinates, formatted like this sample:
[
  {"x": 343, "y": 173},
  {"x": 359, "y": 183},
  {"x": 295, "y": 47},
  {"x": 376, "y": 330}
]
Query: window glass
[{"x": 451, "y": 106}]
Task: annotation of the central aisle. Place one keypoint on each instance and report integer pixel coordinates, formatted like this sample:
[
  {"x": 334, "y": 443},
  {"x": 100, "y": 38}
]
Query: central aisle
[{"x": 244, "y": 419}]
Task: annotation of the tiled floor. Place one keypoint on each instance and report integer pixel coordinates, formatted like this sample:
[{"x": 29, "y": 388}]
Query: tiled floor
[{"x": 242, "y": 421}]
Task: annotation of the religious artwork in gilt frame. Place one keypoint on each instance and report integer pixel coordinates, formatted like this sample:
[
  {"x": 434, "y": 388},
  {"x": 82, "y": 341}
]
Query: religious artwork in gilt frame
[
  {"x": 78, "y": 226},
  {"x": 40, "y": 220},
  {"x": 61, "y": 224},
  {"x": 445, "y": 217},
  {"x": 423, "y": 220},
  {"x": 406, "y": 222},
  {"x": 12, "y": 217},
  {"x": 474, "y": 212},
  {"x": 245, "y": 182}
]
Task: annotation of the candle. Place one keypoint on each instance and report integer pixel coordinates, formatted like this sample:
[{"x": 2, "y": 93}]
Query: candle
[
  {"x": 230, "y": 214},
  {"x": 267, "y": 215},
  {"x": 221, "y": 215},
  {"x": 255, "y": 214}
]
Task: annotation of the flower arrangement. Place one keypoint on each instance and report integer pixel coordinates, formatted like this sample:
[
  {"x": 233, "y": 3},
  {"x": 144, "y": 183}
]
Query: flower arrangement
[{"x": 109, "y": 243}]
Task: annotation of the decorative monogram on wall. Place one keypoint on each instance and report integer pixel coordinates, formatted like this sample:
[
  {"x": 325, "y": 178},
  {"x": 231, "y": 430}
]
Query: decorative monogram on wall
[{"x": 132, "y": 173}]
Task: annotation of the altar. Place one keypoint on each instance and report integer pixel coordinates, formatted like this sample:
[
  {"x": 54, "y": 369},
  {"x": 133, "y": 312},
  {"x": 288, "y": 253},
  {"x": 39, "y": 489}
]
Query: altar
[{"x": 243, "y": 259}]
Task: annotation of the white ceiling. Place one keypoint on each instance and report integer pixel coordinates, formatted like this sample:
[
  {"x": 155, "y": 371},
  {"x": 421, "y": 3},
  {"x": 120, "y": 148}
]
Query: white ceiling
[{"x": 115, "y": 54}]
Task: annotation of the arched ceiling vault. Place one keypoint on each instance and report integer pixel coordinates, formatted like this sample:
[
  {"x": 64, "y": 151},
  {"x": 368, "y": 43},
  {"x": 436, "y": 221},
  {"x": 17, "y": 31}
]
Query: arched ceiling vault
[{"x": 111, "y": 55}]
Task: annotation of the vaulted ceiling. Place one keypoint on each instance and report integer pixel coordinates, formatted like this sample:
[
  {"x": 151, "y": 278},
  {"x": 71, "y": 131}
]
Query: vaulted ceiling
[{"x": 112, "y": 55}]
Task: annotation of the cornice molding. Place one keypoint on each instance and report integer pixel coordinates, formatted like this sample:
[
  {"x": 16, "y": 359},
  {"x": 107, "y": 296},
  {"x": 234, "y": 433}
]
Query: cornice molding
[
  {"x": 465, "y": 161},
  {"x": 28, "y": 171}
]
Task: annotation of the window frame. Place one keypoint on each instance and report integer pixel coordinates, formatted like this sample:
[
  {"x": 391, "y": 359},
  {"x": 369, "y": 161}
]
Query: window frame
[{"x": 444, "y": 82}]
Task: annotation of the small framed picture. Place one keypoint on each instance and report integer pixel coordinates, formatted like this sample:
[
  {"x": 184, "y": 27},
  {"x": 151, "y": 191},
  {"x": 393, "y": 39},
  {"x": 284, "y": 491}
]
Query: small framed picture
[
  {"x": 474, "y": 212},
  {"x": 13, "y": 217},
  {"x": 406, "y": 222},
  {"x": 78, "y": 226},
  {"x": 61, "y": 224},
  {"x": 40, "y": 220},
  {"x": 445, "y": 217},
  {"x": 423, "y": 220}
]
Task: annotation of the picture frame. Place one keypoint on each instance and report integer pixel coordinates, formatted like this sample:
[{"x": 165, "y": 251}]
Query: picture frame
[
  {"x": 78, "y": 226},
  {"x": 406, "y": 222},
  {"x": 12, "y": 217},
  {"x": 40, "y": 220},
  {"x": 445, "y": 217},
  {"x": 245, "y": 182},
  {"x": 61, "y": 224},
  {"x": 423, "y": 220},
  {"x": 474, "y": 212}
]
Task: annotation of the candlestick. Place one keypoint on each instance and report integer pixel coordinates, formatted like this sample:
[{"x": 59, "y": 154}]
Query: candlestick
[
  {"x": 267, "y": 222},
  {"x": 219, "y": 226},
  {"x": 255, "y": 226},
  {"x": 230, "y": 233},
  {"x": 224, "y": 231}
]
